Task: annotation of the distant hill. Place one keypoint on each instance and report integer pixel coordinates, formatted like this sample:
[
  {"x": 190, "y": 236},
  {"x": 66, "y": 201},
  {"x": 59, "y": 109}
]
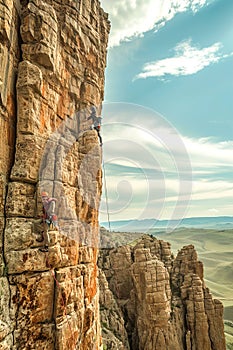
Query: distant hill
[{"x": 217, "y": 223}]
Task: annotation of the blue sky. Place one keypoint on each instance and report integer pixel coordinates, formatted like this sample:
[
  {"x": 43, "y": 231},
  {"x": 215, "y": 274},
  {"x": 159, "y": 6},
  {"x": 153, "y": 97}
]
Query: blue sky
[{"x": 174, "y": 58}]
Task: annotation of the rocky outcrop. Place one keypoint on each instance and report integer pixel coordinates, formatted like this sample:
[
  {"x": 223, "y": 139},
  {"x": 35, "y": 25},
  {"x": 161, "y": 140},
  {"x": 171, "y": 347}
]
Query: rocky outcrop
[
  {"x": 164, "y": 301},
  {"x": 53, "y": 56},
  {"x": 112, "y": 319}
]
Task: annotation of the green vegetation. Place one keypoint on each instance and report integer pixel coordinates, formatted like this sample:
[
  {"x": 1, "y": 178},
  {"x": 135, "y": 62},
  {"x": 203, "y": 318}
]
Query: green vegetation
[
  {"x": 228, "y": 326},
  {"x": 229, "y": 336}
]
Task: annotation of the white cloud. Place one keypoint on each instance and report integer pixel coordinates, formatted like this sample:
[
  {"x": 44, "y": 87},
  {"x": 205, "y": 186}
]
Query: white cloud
[
  {"x": 213, "y": 211},
  {"x": 148, "y": 169},
  {"x": 131, "y": 18},
  {"x": 152, "y": 182},
  {"x": 187, "y": 60}
]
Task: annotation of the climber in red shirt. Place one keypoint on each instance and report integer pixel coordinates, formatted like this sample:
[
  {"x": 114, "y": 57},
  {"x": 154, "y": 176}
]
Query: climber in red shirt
[{"x": 49, "y": 218}]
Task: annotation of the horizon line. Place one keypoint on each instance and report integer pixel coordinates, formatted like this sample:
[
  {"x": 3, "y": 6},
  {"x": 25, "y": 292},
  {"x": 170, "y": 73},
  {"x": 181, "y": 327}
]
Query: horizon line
[{"x": 191, "y": 217}]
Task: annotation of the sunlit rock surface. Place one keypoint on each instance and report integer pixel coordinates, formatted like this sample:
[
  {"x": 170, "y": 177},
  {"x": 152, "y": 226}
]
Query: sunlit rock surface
[
  {"x": 163, "y": 300},
  {"x": 53, "y": 57}
]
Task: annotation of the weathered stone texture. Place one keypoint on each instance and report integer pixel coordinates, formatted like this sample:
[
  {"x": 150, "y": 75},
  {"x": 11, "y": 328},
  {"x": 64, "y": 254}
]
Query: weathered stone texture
[
  {"x": 9, "y": 58},
  {"x": 163, "y": 300},
  {"x": 112, "y": 319},
  {"x": 53, "y": 57}
]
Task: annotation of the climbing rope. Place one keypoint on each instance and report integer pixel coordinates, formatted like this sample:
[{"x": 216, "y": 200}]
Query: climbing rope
[{"x": 106, "y": 196}]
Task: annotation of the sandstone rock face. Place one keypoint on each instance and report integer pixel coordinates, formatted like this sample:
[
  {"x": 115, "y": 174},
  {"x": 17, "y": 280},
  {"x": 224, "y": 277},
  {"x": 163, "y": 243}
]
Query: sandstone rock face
[
  {"x": 164, "y": 301},
  {"x": 53, "y": 57},
  {"x": 112, "y": 319}
]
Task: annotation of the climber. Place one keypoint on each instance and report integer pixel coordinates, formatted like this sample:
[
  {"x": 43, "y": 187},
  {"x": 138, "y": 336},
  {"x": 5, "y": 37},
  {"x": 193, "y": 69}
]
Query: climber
[
  {"x": 96, "y": 122},
  {"x": 49, "y": 218}
]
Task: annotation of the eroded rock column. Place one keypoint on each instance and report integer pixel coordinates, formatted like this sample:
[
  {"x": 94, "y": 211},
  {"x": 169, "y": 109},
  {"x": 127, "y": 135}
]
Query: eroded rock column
[{"x": 164, "y": 301}]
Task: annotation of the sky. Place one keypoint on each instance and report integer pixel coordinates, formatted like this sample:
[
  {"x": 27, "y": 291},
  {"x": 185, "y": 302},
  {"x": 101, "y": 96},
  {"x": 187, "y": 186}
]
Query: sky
[{"x": 167, "y": 116}]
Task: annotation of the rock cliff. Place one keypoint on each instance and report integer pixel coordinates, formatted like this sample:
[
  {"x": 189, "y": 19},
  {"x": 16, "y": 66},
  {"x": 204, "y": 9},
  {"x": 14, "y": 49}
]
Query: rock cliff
[
  {"x": 53, "y": 57},
  {"x": 161, "y": 301}
]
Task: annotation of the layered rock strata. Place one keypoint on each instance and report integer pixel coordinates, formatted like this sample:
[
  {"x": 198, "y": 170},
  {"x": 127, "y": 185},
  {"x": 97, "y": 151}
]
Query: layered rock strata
[
  {"x": 53, "y": 56},
  {"x": 163, "y": 300}
]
